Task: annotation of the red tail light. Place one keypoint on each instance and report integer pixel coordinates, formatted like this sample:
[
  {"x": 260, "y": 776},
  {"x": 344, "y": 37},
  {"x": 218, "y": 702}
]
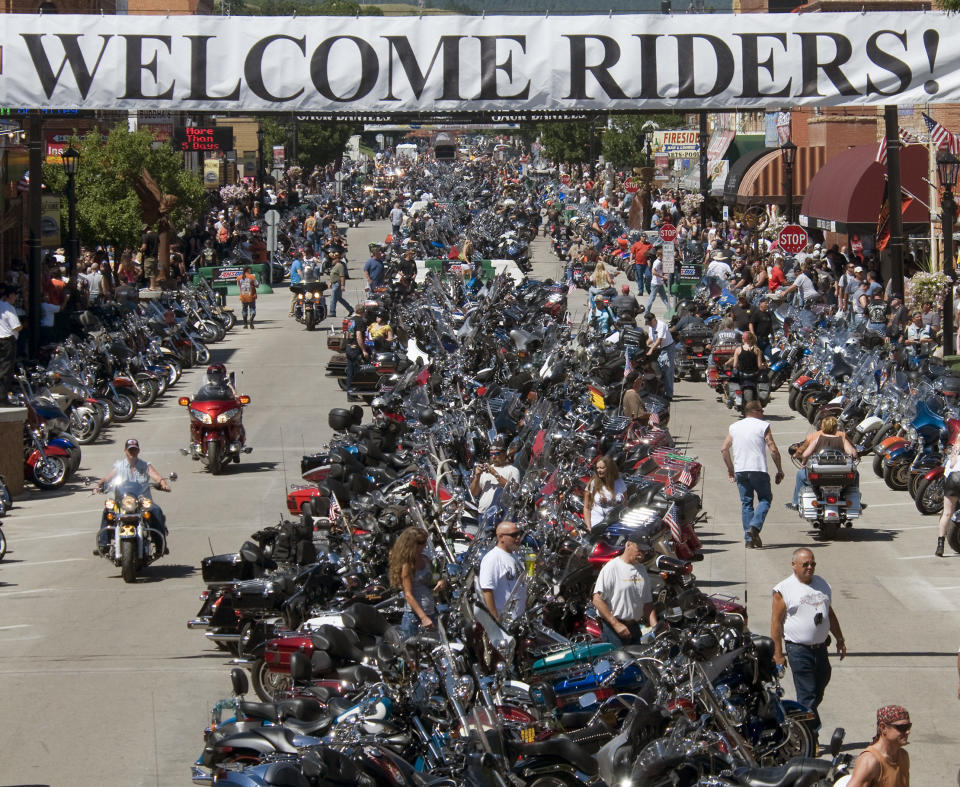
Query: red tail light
[
  {"x": 831, "y": 499},
  {"x": 813, "y": 476}
]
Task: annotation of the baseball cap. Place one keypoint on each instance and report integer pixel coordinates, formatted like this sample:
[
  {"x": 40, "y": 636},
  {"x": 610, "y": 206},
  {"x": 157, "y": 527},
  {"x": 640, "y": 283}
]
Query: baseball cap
[
  {"x": 858, "y": 269},
  {"x": 637, "y": 537},
  {"x": 649, "y": 317},
  {"x": 132, "y": 443}
]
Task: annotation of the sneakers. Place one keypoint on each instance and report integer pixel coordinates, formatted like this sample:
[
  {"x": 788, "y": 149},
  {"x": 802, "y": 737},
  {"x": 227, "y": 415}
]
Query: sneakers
[
  {"x": 755, "y": 538},
  {"x": 939, "y": 550}
]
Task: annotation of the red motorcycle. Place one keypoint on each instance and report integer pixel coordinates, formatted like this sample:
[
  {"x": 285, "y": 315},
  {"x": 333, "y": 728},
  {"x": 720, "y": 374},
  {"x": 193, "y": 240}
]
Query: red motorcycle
[{"x": 217, "y": 436}]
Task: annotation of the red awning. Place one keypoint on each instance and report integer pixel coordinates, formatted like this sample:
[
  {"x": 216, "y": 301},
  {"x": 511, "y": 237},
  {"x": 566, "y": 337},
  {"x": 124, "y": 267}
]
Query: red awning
[
  {"x": 850, "y": 187},
  {"x": 765, "y": 182}
]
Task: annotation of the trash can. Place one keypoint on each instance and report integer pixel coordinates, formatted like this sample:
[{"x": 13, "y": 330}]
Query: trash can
[{"x": 686, "y": 280}]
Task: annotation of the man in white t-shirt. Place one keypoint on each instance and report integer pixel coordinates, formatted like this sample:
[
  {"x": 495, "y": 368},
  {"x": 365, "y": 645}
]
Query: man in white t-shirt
[
  {"x": 623, "y": 597},
  {"x": 744, "y": 452},
  {"x": 488, "y": 479},
  {"x": 662, "y": 347},
  {"x": 501, "y": 578},
  {"x": 804, "y": 287},
  {"x": 803, "y": 618},
  {"x": 658, "y": 283}
]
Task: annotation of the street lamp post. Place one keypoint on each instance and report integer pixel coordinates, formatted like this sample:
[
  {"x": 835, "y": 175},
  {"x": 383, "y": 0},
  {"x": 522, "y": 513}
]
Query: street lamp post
[
  {"x": 947, "y": 166},
  {"x": 789, "y": 152},
  {"x": 259, "y": 158},
  {"x": 71, "y": 160}
]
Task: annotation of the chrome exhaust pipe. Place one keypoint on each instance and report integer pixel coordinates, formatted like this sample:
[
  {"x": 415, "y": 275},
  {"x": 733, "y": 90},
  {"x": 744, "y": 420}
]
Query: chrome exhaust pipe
[{"x": 198, "y": 623}]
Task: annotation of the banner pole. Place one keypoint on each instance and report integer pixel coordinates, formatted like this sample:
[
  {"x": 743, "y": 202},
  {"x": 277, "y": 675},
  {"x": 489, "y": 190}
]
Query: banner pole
[
  {"x": 894, "y": 196},
  {"x": 35, "y": 147}
]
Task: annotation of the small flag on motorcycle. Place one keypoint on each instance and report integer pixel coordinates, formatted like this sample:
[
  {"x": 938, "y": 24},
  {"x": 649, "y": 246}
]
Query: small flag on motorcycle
[{"x": 671, "y": 520}]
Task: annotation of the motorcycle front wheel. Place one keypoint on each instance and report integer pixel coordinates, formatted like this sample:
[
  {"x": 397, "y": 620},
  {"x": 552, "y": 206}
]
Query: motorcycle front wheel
[
  {"x": 147, "y": 390},
  {"x": 953, "y": 536},
  {"x": 311, "y": 320},
  {"x": 84, "y": 426},
  {"x": 799, "y": 743},
  {"x": 930, "y": 496},
  {"x": 124, "y": 407},
  {"x": 214, "y": 458},
  {"x": 878, "y": 464},
  {"x": 3, "y": 544},
  {"x": 897, "y": 476},
  {"x": 128, "y": 561},
  {"x": 227, "y": 319},
  {"x": 50, "y": 473},
  {"x": 201, "y": 355},
  {"x": 210, "y": 331}
]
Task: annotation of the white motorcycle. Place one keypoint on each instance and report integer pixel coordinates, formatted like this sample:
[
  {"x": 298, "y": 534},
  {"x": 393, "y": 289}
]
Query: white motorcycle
[{"x": 831, "y": 499}]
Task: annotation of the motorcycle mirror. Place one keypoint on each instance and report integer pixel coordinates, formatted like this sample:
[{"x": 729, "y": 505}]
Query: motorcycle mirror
[
  {"x": 588, "y": 699},
  {"x": 172, "y": 476},
  {"x": 836, "y": 741},
  {"x": 183, "y": 401},
  {"x": 244, "y": 399}
]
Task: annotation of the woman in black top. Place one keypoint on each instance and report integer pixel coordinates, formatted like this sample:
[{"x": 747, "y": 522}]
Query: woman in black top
[{"x": 747, "y": 358}]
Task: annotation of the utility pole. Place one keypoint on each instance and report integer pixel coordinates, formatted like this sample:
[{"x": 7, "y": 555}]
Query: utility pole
[
  {"x": 894, "y": 195},
  {"x": 704, "y": 186},
  {"x": 35, "y": 205}
]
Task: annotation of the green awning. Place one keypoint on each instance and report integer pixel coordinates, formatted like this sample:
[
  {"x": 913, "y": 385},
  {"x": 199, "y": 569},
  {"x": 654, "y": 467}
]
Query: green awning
[{"x": 743, "y": 144}]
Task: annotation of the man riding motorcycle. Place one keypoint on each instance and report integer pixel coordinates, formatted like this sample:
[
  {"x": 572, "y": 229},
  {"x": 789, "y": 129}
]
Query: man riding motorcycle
[
  {"x": 133, "y": 469},
  {"x": 216, "y": 385}
]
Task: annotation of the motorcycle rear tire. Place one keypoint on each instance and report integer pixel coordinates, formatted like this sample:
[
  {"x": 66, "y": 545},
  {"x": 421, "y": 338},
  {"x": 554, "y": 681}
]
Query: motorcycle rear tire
[
  {"x": 214, "y": 458},
  {"x": 897, "y": 476},
  {"x": 50, "y": 473},
  {"x": 828, "y": 530},
  {"x": 266, "y": 683},
  {"x": 953, "y": 536},
  {"x": 930, "y": 496},
  {"x": 128, "y": 562},
  {"x": 694, "y": 375},
  {"x": 3, "y": 544},
  {"x": 124, "y": 407},
  {"x": 306, "y": 516}
]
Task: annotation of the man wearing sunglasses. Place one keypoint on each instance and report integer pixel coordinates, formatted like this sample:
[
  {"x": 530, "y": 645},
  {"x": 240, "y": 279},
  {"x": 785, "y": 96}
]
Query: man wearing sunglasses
[
  {"x": 803, "y": 619},
  {"x": 501, "y": 577},
  {"x": 885, "y": 763},
  {"x": 623, "y": 597}
]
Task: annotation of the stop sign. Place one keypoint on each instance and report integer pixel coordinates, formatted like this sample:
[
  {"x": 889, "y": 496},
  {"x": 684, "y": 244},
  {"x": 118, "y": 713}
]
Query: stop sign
[
  {"x": 668, "y": 233},
  {"x": 565, "y": 179},
  {"x": 632, "y": 185},
  {"x": 792, "y": 239}
]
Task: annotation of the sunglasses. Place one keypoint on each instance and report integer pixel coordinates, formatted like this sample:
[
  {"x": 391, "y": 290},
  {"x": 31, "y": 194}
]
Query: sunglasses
[
  {"x": 903, "y": 728},
  {"x": 808, "y": 564},
  {"x": 514, "y": 534}
]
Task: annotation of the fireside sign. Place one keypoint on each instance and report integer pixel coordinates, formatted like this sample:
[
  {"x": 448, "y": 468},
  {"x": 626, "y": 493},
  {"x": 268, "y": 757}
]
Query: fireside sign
[{"x": 511, "y": 64}]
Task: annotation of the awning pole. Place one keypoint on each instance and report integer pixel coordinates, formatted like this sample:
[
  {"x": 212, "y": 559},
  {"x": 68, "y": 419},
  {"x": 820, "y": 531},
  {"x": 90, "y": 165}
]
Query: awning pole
[{"x": 703, "y": 170}]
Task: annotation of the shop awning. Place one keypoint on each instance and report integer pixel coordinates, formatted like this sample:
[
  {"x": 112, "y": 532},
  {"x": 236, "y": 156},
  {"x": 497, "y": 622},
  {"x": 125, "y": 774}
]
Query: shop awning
[
  {"x": 849, "y": 188},
  {"x": 764, "y": 183},
  {"x": 738, "y": 170}
]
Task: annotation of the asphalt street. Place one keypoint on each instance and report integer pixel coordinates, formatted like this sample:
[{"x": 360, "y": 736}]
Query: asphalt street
[{"x": 104, "y": 684}]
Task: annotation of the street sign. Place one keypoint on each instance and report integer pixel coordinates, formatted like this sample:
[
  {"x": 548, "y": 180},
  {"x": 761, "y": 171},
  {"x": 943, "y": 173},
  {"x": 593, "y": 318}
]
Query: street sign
[
  {"x": 792, "y": 239},
  {"x": 668, "y": 233},
  {"x": 565, "y": 179},
  {"x": 668, "y": 255},
  {"x": 276, "y": 173},
  {"x": 272, "y": 219},
  {"x": 632, "y": 185}
]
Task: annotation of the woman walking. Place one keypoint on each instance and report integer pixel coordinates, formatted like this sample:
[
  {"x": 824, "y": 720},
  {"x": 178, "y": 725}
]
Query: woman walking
[{"x": 411, "y": 571}]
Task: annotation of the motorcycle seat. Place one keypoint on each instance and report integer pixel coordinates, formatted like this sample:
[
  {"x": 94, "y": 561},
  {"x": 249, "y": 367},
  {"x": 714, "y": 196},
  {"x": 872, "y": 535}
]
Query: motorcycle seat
[
  {"x": 358, "y": 673},
  {"x": 365, "y": 619},
  {"x": 426, "y": 780},
  {"x": 798, "y": 772},
  {"x": 559, "y": 746},
  {"x": 259, "y": 710},
  {"x": 339, "y": 705},
  {"x": 301, "y": 709},
  {"x": 284, "y": 774}
]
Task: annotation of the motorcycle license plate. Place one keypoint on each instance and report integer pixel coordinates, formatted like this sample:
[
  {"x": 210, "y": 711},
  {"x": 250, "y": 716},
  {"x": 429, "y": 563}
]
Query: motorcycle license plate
[
  {"x": 697, "y": 348},
  {"x": 830, "y": 513}
]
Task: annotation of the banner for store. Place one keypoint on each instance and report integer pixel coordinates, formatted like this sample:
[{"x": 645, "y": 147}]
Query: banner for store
[{"x": 513, "y": 64}]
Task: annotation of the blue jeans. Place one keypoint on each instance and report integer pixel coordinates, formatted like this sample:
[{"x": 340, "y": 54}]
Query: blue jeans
[
  {"x": 750, "y": 483},
  {"x": 667, "y": 361},
  {"x": 642, "y": 275},
  {"x": 811, "y": 673},
  {"x": 410, "y": 624},
  {"x": 800, "y": 484},
  {"x": 336, "y": 296},
  {"x": 248, "y": 310},
  {"x": 655, "y": 290},
  {"x": 611, "y": 636}
]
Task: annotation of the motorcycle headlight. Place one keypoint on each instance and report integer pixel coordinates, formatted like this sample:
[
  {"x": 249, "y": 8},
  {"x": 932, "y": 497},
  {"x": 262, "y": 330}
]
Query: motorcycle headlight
[
  {"x": 110, "y": 505},
  {"x": 316, "y": 295},
  {"x": 201, "y": 416},
  {"x": 300, "y": 296},
  {"x": 128, "y": 504},
  {"x": 145, "y": 503},
  {"x": 224, "y": 417}
]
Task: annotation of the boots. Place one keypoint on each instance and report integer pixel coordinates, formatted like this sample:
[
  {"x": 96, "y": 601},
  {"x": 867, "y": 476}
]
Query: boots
[
  {"x": 245, "y": 323},
  {"x": 939, "y": 550},
  {"x": 251, "y": 323}
]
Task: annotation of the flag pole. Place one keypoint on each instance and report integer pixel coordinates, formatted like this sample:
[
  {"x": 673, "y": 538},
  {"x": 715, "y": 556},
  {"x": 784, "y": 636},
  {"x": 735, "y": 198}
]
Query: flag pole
[{"x": 892, "y": 131}]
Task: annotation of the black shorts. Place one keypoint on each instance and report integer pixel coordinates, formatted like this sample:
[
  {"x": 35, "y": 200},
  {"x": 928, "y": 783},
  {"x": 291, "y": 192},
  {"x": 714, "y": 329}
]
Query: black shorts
[{"x": 951, "y": 485}]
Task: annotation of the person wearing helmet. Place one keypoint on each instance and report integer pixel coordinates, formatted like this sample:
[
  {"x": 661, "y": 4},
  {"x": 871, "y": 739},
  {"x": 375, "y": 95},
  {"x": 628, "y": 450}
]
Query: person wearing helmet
[{"x": 216, "y": 384}]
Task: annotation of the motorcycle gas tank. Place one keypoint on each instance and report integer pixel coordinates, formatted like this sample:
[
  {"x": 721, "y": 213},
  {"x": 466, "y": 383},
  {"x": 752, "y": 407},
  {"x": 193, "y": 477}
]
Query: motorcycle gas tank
[{"x": 869, "y": 424}]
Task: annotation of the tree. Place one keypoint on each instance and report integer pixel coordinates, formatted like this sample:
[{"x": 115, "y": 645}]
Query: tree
[
  {"x": 623, "y": 141},
  {"x": 567, "y": 142},
  {"x": 108, "y": 209},
  {"x": 288, "y": 7},
  {"x": 317, "y": 142}
]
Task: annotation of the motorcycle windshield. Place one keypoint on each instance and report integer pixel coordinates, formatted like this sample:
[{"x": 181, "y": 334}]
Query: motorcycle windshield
[{"x": 120, "y": 489}]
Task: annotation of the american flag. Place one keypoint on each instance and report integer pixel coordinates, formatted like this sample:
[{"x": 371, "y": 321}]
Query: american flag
[
  {"x": 334, "y": 508},
  {"x": 905, "y": 137},
  {"x": 24, "y": 185},
  {"x": 686, "y": 478},
  {"x": 940, "y": 136},
  {"x": 671, "y": 519}
]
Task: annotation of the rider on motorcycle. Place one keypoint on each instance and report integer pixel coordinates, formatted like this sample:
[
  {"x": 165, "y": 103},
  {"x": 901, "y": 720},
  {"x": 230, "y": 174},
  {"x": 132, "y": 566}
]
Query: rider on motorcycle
[
  {"x": 134, "y": 469},
  {"x": 747, "y": 358},
  {"x": 825, "y": 438},
  {"x": 216, "y": 385},
  {"x": 689, "y": 320}
]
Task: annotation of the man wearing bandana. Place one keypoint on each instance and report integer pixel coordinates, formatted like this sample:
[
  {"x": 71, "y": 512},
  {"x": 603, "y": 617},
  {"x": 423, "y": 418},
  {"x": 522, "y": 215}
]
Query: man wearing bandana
[{"x": 885, "y": 762}]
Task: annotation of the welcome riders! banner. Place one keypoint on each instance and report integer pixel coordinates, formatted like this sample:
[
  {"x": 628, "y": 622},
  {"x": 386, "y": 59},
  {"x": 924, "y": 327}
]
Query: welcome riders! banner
[{"x": 463, "y": 63}]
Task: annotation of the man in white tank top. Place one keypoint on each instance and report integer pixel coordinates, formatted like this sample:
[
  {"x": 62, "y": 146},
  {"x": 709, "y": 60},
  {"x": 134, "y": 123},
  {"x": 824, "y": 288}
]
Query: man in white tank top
[{"x": 745, "y": 454}]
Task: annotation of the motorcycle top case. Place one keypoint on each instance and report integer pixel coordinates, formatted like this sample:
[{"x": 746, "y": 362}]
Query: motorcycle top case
[
  {"x": 336, "y": 341},
  {"x": 225, "y": 568}
]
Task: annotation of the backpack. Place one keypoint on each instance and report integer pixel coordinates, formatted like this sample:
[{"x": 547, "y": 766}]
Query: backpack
[{"x": 248, "y": 288}]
